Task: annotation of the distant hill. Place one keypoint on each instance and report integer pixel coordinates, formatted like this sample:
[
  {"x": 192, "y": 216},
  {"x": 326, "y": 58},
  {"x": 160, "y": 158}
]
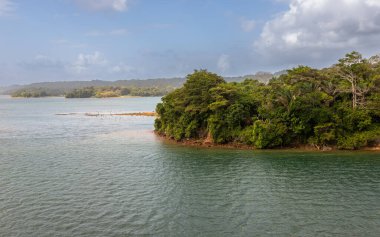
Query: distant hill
[
  {"x": 63, "y": 87},
  {"x": 67, "y": 86},
  {"x": 6, "y": 90}
]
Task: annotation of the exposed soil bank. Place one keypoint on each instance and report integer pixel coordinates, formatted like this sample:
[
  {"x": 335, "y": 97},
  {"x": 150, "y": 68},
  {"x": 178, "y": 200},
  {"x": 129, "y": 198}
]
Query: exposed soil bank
[{"x": 209, "y": 144}]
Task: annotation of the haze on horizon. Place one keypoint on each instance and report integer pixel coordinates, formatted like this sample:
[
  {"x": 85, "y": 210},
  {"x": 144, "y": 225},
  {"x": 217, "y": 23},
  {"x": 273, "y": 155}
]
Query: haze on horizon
[{"x": 128, "y": 39}]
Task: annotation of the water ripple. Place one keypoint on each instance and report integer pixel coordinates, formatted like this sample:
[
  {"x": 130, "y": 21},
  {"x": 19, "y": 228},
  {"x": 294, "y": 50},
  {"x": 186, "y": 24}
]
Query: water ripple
[{"x": 102, "y": 177}]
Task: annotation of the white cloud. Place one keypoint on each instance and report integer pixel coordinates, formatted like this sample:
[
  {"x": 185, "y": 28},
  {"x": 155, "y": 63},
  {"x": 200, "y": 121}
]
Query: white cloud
[
  {"x": 100, "y": 5},
  {"x": 291, "y": 38},
  {"x": 247, "y": 25},
  {"x": 318, "y": 29},
  {"x": 85, "y": 61},
  {"x": 223, "y": 62},
  {"x": 121, "y": 68},
  {"x": 375, "y": 3},
  {"x": 6, "y": 7}
]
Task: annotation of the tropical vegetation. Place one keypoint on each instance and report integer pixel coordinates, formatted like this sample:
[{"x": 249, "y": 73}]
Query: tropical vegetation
[{"x": 338, "y": 106}]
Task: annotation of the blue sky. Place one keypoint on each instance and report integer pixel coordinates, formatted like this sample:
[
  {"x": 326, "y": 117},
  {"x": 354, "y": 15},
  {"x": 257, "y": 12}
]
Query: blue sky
[{"x": 125, "y": 39}]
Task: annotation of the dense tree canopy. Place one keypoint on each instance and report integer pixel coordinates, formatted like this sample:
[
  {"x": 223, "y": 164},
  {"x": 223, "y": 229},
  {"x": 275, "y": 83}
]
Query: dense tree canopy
[
  {"x": 35, "y": 92},
  {"x": 337, "y": 106}
]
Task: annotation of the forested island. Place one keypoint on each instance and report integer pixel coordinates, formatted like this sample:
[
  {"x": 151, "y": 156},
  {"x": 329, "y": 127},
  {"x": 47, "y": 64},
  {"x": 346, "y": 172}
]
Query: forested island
[
  {"x": 106, "y": 92},
  {"x": 335, "y": 107},
  {"x": 93, "y": 92},
  {"x": 135, "y": 87}
]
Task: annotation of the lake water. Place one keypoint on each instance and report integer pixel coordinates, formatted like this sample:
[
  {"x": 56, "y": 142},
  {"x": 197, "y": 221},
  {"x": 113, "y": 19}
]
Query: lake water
[{"x": 76, "y": 175}]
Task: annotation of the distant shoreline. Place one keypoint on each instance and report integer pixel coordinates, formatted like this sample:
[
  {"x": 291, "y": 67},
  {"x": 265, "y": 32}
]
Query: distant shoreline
[
  {"x": 97, "y": 114},
  {"x": 42, "y": 97}
]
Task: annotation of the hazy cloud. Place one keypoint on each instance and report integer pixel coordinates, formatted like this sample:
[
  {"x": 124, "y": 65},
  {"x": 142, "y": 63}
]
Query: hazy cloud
[
  {"x": 6, "y": 7},
  {"x": 100, "y": 5},
  {"x": 115, "y": 32},
  {"x": 42, "y": 62},
  {"x": 375, "y": 3},
  {"x": 118, "y": 32},
  {"x": 121, "y": 68},
  {"x": 247, "y": 25},
  {"x": 85, "y": 61},
  {"x": 224, "y": 62},
  {"x": 320, "y": 29},
  {"x": 161, "y": 26},
  {"x": 95, "y": 33},
  {"x": 68, "y": 43}
]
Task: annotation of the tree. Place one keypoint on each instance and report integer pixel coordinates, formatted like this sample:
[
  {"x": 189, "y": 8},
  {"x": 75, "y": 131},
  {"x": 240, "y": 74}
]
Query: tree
[
  {"x": 355, "y": 70},
  {"x": 185, "y": 111}
]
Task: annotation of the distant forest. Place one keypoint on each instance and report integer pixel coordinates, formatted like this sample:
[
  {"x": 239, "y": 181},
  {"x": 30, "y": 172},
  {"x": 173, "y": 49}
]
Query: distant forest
[
  {"x": 332, "y": 107},
  {"x": 98, "y": 88},
  {"x": 93, "y": 92}
]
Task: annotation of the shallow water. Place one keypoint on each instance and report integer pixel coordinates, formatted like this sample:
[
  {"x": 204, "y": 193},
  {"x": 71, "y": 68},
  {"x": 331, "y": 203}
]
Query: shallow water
[{"x": 110, "y": 176}]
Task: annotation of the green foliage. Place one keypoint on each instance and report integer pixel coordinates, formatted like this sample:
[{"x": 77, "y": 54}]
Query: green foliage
[
  {"x": 265, "y": 134},
  {"x": 115, "y": 91},
  {"x": 324, "y": 134},
  {"x": 184, "y": 112},
  {"x": 86, "y": 92},
  {"x": 35, "y": 93},
  {"x": 95, "y": 91},
  {"x": 269, "y": 134},
  {"x": 148, "y": 91},
  {"x": 337, "y": 106},
  {"x": 359, "y": 139}
]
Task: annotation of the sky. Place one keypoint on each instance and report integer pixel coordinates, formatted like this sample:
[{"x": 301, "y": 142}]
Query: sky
[{"x": 69, "y": 40}]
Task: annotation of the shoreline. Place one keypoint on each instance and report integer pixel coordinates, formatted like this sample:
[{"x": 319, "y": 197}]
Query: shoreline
[
  {"x": 42, "y": 97},
  {"x": 96, "y": 114},
  {"x": 203, "y": 143}
]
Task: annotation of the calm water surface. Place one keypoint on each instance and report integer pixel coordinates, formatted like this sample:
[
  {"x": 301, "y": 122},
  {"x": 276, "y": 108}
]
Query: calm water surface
[{"x": 110, "y": 176}]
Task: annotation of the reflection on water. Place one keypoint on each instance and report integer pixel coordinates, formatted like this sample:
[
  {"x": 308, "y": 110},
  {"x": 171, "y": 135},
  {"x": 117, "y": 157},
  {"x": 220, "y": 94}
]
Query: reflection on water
[{"x": 92, "y": 176}]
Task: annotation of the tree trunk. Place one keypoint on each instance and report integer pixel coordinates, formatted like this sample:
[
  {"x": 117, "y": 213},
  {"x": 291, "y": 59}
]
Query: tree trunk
[{"x": 354, "y": 96}]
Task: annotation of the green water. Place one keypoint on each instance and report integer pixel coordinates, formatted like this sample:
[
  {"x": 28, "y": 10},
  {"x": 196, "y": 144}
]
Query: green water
[{"x": 110, "y": 176}]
